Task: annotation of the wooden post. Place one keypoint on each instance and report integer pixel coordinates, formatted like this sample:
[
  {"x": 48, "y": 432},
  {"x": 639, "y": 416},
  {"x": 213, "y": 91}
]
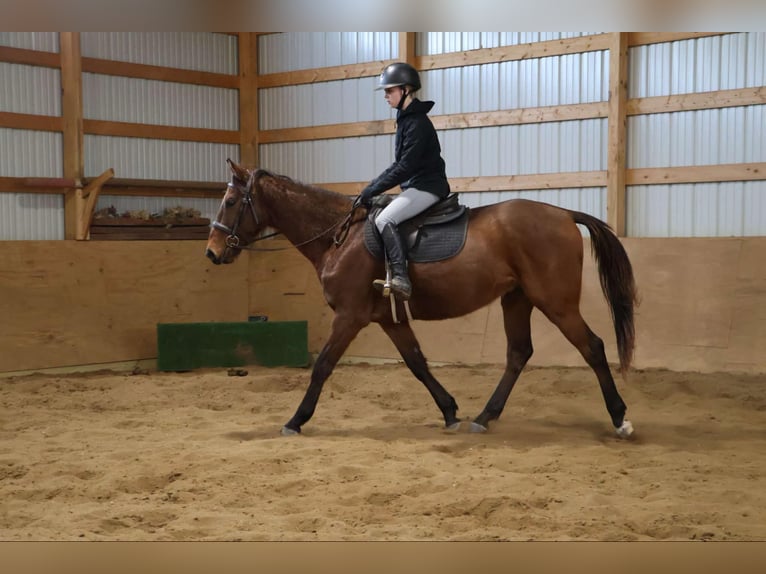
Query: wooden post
[
  {"x": 90, "y": 197},
  {"x": 618, "y": 97},
  {"x": 407, "y": 47},
  {"x": 248, "y": 99},
  {"x": 71, "y": 111}
]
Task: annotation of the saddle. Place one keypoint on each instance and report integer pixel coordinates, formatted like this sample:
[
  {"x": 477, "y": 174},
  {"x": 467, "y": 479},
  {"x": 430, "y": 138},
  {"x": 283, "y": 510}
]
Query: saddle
[{"x": 436, "y": 234}]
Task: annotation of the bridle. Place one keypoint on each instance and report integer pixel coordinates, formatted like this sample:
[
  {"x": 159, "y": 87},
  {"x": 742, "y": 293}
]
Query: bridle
[{"x": 232, "y": 239}]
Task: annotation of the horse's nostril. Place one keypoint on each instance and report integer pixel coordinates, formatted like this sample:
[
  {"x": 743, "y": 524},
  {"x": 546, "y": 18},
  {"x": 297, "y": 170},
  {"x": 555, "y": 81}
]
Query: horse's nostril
[{"x": 212, "y": 256}]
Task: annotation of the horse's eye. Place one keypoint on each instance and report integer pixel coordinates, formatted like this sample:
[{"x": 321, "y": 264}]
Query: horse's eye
[{"x": 230, "y": 201}]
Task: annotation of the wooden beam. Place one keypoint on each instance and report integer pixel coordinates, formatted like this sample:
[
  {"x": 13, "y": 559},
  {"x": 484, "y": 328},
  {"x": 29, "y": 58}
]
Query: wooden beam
[
  {"x": 328, "y": 74},
  {"x": 31, "y": 122},
  {"x": 527, "y": 51},
  {"x": 645, "y": 38},
  {"x": 248, "y": 99},
  {"x": 333, "y": 131},
  {"x": 131, "y": 70},
  {"x": 563, "y": 180},
  {"x": 30, "y": 57},
  {"x": 697, "y": 101},
  {"x": 36, "y": 185},
  {"x": 90, "y": 193},
  {"x": 697, "y": 174},
  {"x": 71, "y": 109},
  {"x": 443, "y": 122},
  {"x": 521, "y": 116},
  {"x": 522, "y": 182},
  {"x": 617, "y": 129},
  {"x": 148, "y": 131}
]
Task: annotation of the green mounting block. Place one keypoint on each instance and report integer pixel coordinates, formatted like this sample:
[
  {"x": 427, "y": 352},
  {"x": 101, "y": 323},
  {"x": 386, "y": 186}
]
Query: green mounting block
[{"x": 187, "y": 346}]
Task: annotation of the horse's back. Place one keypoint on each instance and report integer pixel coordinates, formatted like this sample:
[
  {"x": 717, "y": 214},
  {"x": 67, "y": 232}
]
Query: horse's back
[{"x": 525, "y": 220}]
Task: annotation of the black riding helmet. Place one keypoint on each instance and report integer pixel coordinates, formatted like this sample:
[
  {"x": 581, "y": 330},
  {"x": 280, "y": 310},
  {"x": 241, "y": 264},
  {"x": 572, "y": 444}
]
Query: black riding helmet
[{"x": 399, "y": 74}]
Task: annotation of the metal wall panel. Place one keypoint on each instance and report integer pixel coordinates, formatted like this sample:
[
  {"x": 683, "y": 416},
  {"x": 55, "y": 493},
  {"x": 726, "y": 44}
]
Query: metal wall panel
[
  {"x": 136, "y": 100},
  {"x": 322, "y": 104},
  {"x": 30, "y": 89},
  {"x": 31, "y": 216},
  {"x": 43, "y": 41},
  {"x": 724, "y": 62},
  {"x": 698, "y": 138},
  {"x": 292, "y": 51},
  {"x": 137, "y": 158},
  {"x": 330, "y": 161},
  {"x": 727, "y": 209},
  {"x": 433, "y": 43},
  {"x": 27, "y": 153},
  {"x": 203, "y": 51}
]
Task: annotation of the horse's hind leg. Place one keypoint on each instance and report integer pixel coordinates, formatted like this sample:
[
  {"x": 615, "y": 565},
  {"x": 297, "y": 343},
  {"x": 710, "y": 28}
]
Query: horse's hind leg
[
  {"x": 591, "y": 347},
  {"x": 407, "y": 344},
  {"x": 516, "y": 319}
]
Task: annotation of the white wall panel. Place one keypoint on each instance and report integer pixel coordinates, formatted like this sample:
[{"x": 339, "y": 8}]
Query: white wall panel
[
  {"x": 330, "y": 161},
  {"x": 703, "y": 137},
  {"x": 28, "y": 153},
  {"x": 43, "y": 41},
  {"x": 726, "y": 62},
  {"x": 433, "y": 43},
  {"x": 30, "y": 89},
  {"x": 31, "y": 216},
  {"x": 158, "y": 159},
  {"x": 136, "y": 100},
  {"x": 322, "y": 104},
  {"x": 697, "y": 210},
  {"x": 292, "y": 51},
  {"x": 203, "y": 51}
]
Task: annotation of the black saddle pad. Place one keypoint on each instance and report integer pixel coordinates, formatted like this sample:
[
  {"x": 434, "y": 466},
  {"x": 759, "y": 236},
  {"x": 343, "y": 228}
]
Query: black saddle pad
[{"x": 436, "y": 234}]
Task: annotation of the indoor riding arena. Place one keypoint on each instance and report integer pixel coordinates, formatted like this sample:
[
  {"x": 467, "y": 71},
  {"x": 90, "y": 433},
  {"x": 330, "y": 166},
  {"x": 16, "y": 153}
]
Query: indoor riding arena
[{"x": 145, "y": 392}]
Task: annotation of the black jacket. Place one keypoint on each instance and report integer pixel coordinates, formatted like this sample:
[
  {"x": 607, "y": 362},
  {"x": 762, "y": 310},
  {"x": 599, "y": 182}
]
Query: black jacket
[{"x": 417, "y": 155}]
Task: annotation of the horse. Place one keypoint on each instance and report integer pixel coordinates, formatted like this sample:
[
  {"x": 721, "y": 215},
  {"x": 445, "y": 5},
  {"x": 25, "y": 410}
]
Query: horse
[{"x": 526, "y": 253}]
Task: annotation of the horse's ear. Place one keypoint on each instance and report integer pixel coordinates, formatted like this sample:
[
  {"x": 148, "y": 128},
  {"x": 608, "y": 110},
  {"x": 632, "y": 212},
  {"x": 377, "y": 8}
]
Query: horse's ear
[{"x": 237, "y": 170}]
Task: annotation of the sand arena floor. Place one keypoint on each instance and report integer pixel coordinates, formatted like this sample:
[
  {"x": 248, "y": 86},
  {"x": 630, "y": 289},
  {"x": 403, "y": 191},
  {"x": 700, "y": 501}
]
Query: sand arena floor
[{"x": 198, "y": 456}]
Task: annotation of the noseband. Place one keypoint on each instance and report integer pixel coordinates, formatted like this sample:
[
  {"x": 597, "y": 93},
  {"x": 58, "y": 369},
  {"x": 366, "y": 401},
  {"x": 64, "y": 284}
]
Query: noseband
[{"x": 232, "y": 239}]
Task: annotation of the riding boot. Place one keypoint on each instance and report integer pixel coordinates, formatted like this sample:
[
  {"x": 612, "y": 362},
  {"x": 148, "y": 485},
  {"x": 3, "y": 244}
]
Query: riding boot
[{"x": 397, "y": 261}]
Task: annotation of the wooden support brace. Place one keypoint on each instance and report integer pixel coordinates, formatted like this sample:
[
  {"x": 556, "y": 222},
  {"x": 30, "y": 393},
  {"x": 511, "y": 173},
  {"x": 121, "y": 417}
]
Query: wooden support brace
[{"x": 90, "y": 194}]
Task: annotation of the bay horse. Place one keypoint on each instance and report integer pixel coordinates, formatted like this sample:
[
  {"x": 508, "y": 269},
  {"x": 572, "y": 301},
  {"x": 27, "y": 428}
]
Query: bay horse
[{"x": 528, "y": 254}]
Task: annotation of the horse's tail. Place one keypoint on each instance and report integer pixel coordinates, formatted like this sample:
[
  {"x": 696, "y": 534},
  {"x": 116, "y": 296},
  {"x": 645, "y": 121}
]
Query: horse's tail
[{"x": 617, "y": 282}]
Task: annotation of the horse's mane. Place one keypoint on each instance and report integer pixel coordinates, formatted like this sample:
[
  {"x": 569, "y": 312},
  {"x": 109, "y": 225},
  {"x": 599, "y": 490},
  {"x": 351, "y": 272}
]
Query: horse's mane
[{"x": 300, "y": 187}]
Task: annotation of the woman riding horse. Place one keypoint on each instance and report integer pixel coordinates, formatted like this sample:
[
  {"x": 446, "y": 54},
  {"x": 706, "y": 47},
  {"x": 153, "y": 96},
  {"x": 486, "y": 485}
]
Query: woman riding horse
[{"x": 418, "y": 169}]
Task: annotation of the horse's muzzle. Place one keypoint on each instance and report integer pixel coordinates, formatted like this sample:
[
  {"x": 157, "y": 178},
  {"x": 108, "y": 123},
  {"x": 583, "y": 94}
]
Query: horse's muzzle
[{"x": 212, "y": 256}]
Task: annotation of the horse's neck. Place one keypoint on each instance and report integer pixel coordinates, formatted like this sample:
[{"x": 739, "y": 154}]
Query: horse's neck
[{"x": 306, "y": 216}]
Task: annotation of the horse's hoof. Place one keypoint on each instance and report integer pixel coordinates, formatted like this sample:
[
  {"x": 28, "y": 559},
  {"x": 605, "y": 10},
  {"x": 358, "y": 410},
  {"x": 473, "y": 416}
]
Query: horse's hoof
[
  {"x": 476, "y": 427},
  {"x": 625, "y": 430},
  {"x": 289, "y": 432},
  {"x": 454, "y": 427}
]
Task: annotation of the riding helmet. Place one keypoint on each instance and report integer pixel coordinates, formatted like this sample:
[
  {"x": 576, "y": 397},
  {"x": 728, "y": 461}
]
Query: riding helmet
[{"x": 399, "y": 74}]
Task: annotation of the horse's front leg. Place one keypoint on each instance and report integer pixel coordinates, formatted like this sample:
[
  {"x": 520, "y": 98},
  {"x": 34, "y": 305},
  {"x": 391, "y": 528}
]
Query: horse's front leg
[
  {"x": 344, "y": 329},
  {"x": 407, "y": 344}
]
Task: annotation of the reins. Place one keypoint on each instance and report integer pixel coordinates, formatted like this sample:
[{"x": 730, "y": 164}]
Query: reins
[{"x": 232, "y": 241}]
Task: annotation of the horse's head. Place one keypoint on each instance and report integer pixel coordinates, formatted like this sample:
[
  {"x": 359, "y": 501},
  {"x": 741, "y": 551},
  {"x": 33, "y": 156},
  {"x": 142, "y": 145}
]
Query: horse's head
[{"x": 237, "y": 223}]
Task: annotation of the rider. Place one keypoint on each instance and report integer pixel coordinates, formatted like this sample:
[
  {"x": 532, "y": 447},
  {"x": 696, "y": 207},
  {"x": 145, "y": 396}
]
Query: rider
[{"x": 418, "y": 168}]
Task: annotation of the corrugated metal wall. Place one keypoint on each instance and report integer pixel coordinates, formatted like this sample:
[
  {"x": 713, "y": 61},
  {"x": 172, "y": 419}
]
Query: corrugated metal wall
[
  {"x": 709, "y": 137},
  {"x": 114, "y": 98},
  {"x": 698, "y": 138},
  {"x": 506, "y": 150},
  {"x": 37, "y": 90},
  {"x": 203, "y": 51},
  {"x": 30, "y": 90}
]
